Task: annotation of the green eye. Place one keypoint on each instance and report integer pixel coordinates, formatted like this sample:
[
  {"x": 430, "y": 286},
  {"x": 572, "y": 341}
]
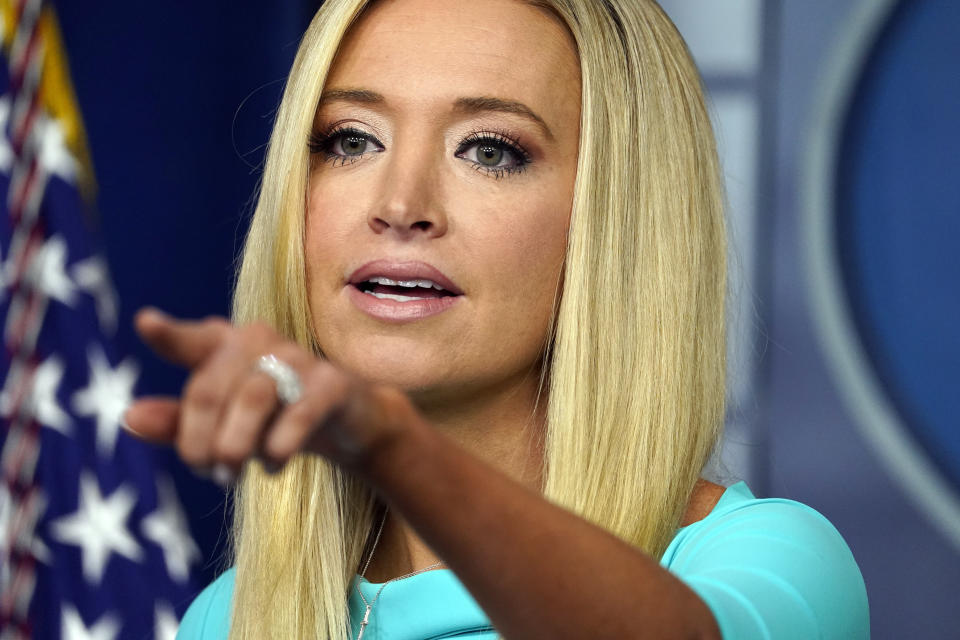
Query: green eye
[
  {"x": 493, "y": 153},
  {"x": 353, "y": 145},
  {"x": 344, "y": 145},
  {"x": 489, "y": 155}
]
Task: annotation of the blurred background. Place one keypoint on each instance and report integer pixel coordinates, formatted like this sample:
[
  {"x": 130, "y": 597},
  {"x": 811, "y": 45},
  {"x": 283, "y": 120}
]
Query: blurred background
[{"x": 837, "y": 125}]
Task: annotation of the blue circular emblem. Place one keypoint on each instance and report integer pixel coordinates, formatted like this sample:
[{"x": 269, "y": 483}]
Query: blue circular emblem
[{"x": 883, "y": 241}]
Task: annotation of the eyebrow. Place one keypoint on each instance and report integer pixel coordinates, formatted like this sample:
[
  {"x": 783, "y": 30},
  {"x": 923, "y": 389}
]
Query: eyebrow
[
  {"x": 478, "y": 105},
  {"x": 351, "y": 95},
  {"x": 464, "y": 105}
]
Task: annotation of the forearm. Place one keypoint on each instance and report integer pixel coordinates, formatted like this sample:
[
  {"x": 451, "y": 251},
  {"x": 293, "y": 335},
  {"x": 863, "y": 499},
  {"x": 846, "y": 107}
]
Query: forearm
[{"x": 537, "y": 570}]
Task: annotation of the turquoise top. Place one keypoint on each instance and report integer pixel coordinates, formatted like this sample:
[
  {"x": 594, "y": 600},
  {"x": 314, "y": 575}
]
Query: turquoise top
[{"x": 766, "y": 568}]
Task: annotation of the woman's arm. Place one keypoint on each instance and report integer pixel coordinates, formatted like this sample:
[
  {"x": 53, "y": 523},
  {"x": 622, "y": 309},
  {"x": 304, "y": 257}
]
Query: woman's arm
[{"x": 537, "y": 570}]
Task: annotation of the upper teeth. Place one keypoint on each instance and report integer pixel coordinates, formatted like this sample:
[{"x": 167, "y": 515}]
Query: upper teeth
[{"x": 426, "y": 284}]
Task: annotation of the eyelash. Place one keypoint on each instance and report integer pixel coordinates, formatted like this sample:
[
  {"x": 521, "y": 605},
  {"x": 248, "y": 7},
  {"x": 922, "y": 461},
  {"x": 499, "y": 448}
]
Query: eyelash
[
  {"x": 496, "y": 139},
  {"x": 322, "y": 142}
]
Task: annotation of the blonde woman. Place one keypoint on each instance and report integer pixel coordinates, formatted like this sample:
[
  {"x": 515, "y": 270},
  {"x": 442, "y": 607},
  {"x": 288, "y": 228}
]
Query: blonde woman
[{"x": 476, "y": 363}]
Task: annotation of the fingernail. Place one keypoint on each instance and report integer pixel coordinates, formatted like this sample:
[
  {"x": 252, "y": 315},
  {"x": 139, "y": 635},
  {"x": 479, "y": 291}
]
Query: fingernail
[
  {"x": 126, "y": 425},
  {"x": 223, "y": 475},
  {"x": 153, "y": 311}
]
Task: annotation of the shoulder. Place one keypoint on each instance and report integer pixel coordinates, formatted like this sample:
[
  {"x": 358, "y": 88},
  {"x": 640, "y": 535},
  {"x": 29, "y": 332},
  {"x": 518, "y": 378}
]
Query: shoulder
[
  {"x": 772, "y": 567},
  {"x": 208, "y": 617}
]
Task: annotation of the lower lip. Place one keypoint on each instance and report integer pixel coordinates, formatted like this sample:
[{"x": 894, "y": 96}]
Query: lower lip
[{"x": 394, "y": 311}]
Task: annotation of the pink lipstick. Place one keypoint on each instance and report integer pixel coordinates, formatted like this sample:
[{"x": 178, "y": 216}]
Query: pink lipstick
[{"x": 397, "y": 292}]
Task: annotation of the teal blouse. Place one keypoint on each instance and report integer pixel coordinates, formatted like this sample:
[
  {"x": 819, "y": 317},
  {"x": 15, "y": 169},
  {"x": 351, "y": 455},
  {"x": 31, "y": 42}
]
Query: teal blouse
[{"x": 767, "y": 568}]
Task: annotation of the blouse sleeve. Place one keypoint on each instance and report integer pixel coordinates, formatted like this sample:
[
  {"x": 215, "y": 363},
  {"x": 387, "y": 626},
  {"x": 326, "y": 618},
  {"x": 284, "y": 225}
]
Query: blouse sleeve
[
  {"x": 775, "y": 569},
  {"x": 208, "y": 617}
]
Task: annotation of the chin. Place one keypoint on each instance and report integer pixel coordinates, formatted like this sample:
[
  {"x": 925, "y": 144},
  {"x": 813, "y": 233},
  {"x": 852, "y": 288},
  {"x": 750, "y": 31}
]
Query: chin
[{"x": 412, "y": 371}]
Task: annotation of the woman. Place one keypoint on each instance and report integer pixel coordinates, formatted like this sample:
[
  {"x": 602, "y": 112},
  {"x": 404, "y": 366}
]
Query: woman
[{"x": 478, "y": 350}]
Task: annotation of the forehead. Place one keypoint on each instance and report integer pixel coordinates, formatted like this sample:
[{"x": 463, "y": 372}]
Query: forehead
[{"x": 440, "y": 50}]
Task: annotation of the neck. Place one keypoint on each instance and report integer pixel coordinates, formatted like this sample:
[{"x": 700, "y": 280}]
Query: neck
[{"x": 503, "y": 426}]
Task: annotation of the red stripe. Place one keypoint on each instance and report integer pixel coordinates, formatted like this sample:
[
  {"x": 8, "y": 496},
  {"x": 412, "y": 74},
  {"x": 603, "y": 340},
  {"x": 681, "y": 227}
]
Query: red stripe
[
  {"x": 21, "y": 390},
  {"x": 18, "y": 71},
  {"x": 26, "y": 564},
  {"x": 20, "y": 522},
  {"x": 17, "y": 488},
  {"x": 35, "y": 300},
  {"x": 34, "y": 241},
  {"x": 24, "y": 329},
  {"x": 19, "y": 201},
  {"x": 28, "y": 442},
  {"x": 19, "y": 138}
]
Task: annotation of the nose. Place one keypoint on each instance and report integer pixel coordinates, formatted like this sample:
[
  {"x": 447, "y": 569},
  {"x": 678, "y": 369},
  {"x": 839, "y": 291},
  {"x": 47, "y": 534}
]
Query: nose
[{"x": 411, "y": 202}]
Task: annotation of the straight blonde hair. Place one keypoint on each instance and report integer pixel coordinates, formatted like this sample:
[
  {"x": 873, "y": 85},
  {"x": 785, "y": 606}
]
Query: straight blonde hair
[{"x": 635, "y": 387}]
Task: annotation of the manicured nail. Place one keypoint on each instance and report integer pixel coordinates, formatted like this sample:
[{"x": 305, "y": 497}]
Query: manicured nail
[
  {"x": 126, "y": 425},
  {"x": 157, "y": 314}
]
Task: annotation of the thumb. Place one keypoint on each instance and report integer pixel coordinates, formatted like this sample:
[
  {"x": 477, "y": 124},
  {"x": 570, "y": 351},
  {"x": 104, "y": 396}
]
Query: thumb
[{"x": 153, "y": 419}]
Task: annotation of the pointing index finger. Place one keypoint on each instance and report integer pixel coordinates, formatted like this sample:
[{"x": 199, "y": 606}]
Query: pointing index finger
[{"x": 183, "y": 342}]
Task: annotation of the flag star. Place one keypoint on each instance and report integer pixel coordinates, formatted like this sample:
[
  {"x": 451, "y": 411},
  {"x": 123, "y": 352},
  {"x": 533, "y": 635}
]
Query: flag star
[
  {"x": 54, "y": 155},
  {"x": 72, "y": 626},
  {"x": 41, "y": 401},
  {"x": 167, "y": 526},
  {"x": 106, "y": 396},
  {"x": 92, "y": 276},
  {"x": 48, "y": 271},
  {"x": 165, "y": 622},
  {"x": 98, "y": 527}
]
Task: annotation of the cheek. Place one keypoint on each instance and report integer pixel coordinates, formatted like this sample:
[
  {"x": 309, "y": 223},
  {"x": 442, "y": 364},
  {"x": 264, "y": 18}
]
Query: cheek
[
  {"x": 319, "y": 214},
  {"x": 331, "y": 222},
  {"x": 540, "y": 237},
  {"x": 531, "y": 263},
  {"x": 329, "y": 230}
]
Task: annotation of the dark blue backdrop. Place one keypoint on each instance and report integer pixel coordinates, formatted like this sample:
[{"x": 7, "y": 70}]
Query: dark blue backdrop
[{"x": 178, "y": 99}]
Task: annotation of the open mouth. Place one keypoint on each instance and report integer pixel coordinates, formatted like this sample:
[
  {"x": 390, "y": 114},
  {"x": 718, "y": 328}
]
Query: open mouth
[{"x": 402, "y": 290}]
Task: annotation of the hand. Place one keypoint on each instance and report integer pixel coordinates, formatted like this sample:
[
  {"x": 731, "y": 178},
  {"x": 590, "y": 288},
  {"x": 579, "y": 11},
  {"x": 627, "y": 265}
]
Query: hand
[{"x": 229, "y": 411}]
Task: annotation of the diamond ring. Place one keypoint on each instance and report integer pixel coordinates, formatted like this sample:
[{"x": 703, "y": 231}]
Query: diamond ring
[{"x": 289, "y": 388}]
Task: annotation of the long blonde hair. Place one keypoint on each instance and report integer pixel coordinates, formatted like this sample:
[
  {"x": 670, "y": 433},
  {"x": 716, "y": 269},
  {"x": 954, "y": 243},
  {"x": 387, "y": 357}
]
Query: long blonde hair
[{"x": 635, "y": 387}]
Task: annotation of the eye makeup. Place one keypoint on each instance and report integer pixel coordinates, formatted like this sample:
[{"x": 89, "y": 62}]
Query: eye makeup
[
  {"x": 343, "y": 144},
  {"x": 496, "y": 153}
]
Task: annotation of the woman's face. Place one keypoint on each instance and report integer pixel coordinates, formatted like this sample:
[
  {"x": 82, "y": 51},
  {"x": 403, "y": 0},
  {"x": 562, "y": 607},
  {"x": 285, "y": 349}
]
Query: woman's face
[{"x": 444, "y": 150}]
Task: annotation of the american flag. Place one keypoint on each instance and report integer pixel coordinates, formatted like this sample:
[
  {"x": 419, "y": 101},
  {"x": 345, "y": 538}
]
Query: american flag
[{"x": 94, "y": 543}]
